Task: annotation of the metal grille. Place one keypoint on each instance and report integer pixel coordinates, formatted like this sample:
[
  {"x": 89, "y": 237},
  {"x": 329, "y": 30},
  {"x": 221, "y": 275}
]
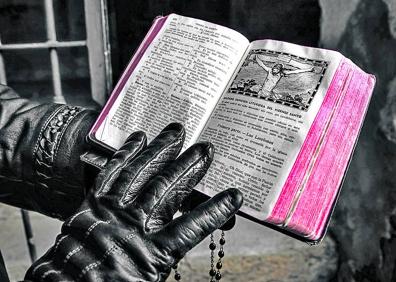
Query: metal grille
[{"x": 97, "y": 43}]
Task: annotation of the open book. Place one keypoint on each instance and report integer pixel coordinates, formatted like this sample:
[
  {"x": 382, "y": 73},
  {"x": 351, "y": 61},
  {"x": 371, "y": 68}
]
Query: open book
[{"x": 284, "y": 118}]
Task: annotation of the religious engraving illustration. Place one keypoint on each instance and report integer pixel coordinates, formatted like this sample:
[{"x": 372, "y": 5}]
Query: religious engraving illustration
[{"x": 279, "y": 77}]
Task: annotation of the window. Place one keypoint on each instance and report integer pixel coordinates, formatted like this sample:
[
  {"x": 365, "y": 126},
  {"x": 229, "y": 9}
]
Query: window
[{"x": 56, "y": 50}]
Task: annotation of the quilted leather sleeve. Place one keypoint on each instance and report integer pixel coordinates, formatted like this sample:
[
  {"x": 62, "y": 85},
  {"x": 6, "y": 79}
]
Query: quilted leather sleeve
[{"x": 40, "y": 149}]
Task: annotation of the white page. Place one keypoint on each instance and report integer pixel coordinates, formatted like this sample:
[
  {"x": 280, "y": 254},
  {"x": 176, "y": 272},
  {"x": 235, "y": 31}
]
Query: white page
[
  {"x": 180, "y": 78},
  {"x": 261, "y": 122}
]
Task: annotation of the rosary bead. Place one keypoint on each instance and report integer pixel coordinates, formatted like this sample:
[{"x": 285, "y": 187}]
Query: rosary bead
[
  {"x": 212, "y": 272},
  {"x": 222, "y": 241},
  {"x": 175, "y": 266},
  {"x": 221, "y": 254},
  {"x": 212, "y": 246},
  {"x": 218, "y": 276},
  {"x": 219, "y": 265},
  {"x": 177, "y": 276}
]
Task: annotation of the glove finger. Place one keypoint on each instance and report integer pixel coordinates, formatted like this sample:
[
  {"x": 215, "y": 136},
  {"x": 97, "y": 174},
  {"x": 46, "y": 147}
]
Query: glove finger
[
  {"x": 94, "y": 248},
  {"x": 194, "y": 199},
  {"x": 162, "y": 150},
  {"x": 186, "y": 231},
  {"x": 162, "y": 196},
  {"x": 135, "y": 143},
  {"x": 46, "y": 265},
  {"x": 229, "y": 224}
]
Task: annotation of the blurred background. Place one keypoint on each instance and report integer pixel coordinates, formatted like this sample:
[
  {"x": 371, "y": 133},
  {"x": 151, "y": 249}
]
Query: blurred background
[{"x": 73, "y": 51}]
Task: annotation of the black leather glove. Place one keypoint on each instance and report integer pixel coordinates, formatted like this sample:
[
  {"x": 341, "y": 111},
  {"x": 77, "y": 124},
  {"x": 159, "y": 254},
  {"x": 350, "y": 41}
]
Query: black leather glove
[
  {"x": 40, "y": 148},
  {"x": 194, "y": 199},
  {"x": 125, "y": 230}
]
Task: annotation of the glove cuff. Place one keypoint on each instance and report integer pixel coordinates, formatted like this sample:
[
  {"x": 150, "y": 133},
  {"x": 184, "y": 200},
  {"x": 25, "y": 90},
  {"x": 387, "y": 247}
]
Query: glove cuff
[
  {"x": 48, "y": 143},
  {"x": 56, "y": 158}
]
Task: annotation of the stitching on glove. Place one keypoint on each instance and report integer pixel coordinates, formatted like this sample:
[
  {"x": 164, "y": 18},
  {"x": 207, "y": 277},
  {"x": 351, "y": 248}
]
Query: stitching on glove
[
  {"x": 170, "y": 187},
  {"x": 102, "y": 259},
  {"x": 45, "y": 274},
  {"x": 48, "y": 141},
  {"x": 115, "y": 173},
  {"x": 87, "y": 233},
  {"x": 73, "y": 252},
  {"x": 60, "y": 240},
  {"x": 92, "y": 227},
  {"x": 156, "y": 160},
  {"x": 48, "y": 262},
  {"x": 42, "y": 129},
  {"x": 98, "y": 164},
  {"x": 75, "y": 216}
]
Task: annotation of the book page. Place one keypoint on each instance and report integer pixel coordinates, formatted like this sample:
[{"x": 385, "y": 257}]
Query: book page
[
  {"x": 180, "y": 78},
  {"x": 260, "y": 124}
]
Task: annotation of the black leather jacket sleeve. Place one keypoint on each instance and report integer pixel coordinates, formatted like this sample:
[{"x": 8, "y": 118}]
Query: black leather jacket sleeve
[{"x": 40, "y": 148}]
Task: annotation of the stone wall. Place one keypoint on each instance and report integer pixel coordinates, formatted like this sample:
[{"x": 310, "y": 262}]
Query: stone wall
[{"x": 363, "y": 226}]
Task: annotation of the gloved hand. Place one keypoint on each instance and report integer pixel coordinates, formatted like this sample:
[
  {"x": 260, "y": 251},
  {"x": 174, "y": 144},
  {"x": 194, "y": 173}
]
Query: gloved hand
[
  {"x": 40, "y": 148},
  {"x": 194, "y": 199},
  {"x": 125, "y": 230}
]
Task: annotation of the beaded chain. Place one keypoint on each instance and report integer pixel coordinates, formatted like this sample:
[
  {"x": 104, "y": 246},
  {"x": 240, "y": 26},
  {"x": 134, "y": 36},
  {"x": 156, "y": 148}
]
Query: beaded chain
[
  {"x": 215, "y": 275},
  {"x": 177, "y": 274}
]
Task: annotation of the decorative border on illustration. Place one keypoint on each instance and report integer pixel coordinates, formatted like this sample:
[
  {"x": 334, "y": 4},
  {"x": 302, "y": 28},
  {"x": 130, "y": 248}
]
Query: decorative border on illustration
[{"x": 323, "y": 64}]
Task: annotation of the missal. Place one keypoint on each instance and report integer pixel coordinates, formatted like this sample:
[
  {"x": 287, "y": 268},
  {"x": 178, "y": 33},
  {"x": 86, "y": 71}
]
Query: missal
[{"x": 284, "y": 118}]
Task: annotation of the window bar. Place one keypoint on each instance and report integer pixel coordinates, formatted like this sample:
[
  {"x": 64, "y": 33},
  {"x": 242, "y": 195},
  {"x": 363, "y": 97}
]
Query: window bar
[
  {"x": 51, "y": 35},
  {"x": 29, "y": 235},
  {"x": 43, "y": 45},
  {"x": 3, "y": 78},
  {"x": 107, "y": 47},
  {"x": 98, "y": 54}
]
